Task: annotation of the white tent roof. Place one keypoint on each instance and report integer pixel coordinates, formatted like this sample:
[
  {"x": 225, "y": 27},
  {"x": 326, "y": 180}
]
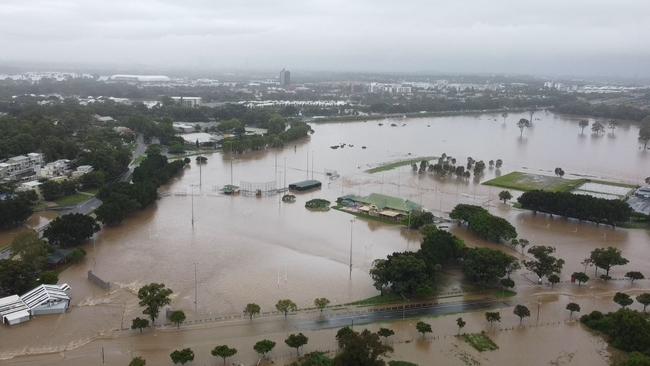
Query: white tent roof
[
  {"x": 12, "y": 307},
  {"x": 45, "y": 293}
]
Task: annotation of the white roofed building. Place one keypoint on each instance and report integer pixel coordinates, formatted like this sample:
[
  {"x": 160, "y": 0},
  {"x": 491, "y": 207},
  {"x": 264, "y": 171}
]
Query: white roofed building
[{"x": 44, "y": 299}]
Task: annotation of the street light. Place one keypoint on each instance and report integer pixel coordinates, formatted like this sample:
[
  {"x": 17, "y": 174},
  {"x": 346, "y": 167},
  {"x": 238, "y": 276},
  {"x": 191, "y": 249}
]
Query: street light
[
  {"x": 192, "y": 195},
  {"x": 351, "y": 226}
]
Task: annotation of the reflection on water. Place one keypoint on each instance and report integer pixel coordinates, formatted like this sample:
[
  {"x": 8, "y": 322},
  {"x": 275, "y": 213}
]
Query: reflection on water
[{"x": 249, "y": 249}]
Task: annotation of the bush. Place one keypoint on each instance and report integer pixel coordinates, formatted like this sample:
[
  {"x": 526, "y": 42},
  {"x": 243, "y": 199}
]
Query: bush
[{"x": 49, "y": 278}]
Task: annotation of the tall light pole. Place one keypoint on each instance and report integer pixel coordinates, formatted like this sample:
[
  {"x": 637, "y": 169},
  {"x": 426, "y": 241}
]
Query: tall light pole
[
  {"x": 351, "y": 226},
  {"x": 192, "y": 194},
  {"x": 196, "y": 296}
]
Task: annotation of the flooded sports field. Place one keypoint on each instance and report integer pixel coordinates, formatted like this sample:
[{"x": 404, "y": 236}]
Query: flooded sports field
[{"x": 242, "y": 249}]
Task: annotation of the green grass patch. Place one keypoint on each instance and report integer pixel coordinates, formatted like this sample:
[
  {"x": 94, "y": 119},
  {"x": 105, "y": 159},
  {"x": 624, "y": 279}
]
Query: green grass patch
[
  {"x": 528, "y": 182},
  {"x": 388, "y": 298},
  {"x": 480, "y": 341},
  {"x": 73, "y": 199},
  {"x": 396, "y": 164},
  {"x": 503, "y": 294}
]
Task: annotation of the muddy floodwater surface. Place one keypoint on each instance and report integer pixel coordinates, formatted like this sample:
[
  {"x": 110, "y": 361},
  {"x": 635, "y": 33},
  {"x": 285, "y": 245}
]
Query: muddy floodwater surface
[{"x": 242, "y": 249}]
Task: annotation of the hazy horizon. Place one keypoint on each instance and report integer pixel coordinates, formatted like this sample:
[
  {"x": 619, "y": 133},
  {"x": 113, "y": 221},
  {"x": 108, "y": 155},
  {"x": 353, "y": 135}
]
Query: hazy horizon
[{"x": 579, "y": 38}]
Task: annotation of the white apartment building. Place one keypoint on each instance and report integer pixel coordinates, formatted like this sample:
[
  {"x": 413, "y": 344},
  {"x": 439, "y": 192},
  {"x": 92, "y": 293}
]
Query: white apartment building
[
  {"x": 55, "y": 169},
  {"x": 21, "y": 167}
]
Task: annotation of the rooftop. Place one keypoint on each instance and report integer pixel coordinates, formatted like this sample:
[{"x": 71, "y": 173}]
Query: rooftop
[{"x": 382, "y": 202}]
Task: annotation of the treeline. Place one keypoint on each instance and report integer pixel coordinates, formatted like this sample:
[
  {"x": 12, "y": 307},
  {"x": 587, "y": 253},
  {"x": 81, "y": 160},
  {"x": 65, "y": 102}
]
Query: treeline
[
  {"x": 618, "y": 111},
  {"x": 242, "y": 143},
  {"x": 483, "y": 223},
  {"x": 438, "y": 104},
  {"x": 626, "y": 329},
  {"x": 413, "y": 273},
  {"x": 121, "y": 198},
  {"x": 577, "y": 206},
  {"x": 15, "y": 208}
]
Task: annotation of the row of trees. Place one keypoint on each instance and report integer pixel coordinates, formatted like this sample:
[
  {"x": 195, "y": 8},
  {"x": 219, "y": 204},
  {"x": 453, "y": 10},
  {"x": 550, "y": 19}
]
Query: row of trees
[
  {"x": 582, "y": 207},
  {"x": 276, "y": 137},
  {"x": 483, "y": 223},
  {"x": 413, "y": 273},
  {"x": 121, "y": 198}
]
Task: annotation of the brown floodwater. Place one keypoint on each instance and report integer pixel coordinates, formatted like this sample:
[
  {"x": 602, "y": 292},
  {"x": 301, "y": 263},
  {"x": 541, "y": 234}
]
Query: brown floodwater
[{"x": 245, "y": 249}]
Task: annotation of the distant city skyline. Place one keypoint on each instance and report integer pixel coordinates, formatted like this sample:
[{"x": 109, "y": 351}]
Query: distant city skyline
[{"x": 555, "y": 37}]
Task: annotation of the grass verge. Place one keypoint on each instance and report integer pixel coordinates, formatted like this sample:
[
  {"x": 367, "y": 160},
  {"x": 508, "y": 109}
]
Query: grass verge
[
  {"x": 73, "y": 199},
  {"x": 480, "y": 341},
  {"x": 396, "y": 164}
]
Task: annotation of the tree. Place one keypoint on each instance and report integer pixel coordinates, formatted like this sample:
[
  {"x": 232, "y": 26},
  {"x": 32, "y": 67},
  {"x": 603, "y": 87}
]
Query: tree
[
  {"x": 153, "y": 297},
  {"x": 461, "y": 324},
  {"x": 492, "y": 317},
  {"x": 507, "y": 283},
  {"x": 252, "y": 309},
  {"x": 321, "y": 303},
  {"x": 406, "y": 273},
  {"x": 644, "y": 132},
  {"x": 49, "y": 278},
  {"x": 543, "y": 264},
  {"x": 70, "y": 230},
  {"x": 644, "y": 299},
  {"x": 553, "y": 279},
  {"x": 505, "y": 196},
  {"x": 573, "y": 308},
  {"x": 385, "y": 332},
  {"x": 177, "y": 317},
  {"x": 343, "y": 335},
  {"x": 623, "y": 299},
  {"x": 296, "y": 341},
  {"x": 285, "y": 306},
  {"x": 523, "y": 243},
  {"x": 224, "y": 352},
  {"x": 597, "y": 128},
  {"x": 263, "y": 347},
  {"x": 583, "y": 124},
  {"x": 137, "y": 361},
  {"x": 423, "y": 328},
  {"x": 485, "y": 266},
  {"x": 612, "y": 125},
  {"x": 634, "y": 275},
  {"x": 362, "y": 349},
  {"x": 523, "y": 124},
  {"x": 183, "y": 356},
  {"x": 522, "y": 312},
  {"x": 606, "y": 258},
  {"x": 581, "y": 277},
  {"x": 139, "y": 323}
]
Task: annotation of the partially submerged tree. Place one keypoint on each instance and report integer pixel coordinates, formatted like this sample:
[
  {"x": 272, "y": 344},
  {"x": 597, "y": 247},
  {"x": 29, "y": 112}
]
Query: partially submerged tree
[
  {"x": 177, "y": 317},
  {"x": 183, "y": 356},
  {"x": 285, "y": 306},
  {"x": 423, "y": 328},
  {"x": 296, "y": 341},
  {"x": 139, "y": 323},
  {"x": 623, "y": 299},
  {"x": 321, "y": 303},
  {"x": 153, "y": 297},
  {"x": 573, "y": 308},
  {"x": 522, "y": 312},
  {"x": 224, "y": 352},
  {"x": 251, "y": 310}
]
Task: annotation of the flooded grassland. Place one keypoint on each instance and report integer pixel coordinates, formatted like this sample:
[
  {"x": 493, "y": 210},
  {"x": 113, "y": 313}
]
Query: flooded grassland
[{"x": 248, "y": 249}]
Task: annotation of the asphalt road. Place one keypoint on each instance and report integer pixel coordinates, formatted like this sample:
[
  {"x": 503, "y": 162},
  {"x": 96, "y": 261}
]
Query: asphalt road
[{"x": 388, "y": 315}]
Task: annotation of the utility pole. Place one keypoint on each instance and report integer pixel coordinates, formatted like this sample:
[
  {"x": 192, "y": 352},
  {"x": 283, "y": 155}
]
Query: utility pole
[
  {"x": 231, "y": 171},
  {"x": 196, "y": 296},
  {"x": 312, "y": 165},
  {"x": 307, "y": 164},
  {"x": 351, "y": 226}
]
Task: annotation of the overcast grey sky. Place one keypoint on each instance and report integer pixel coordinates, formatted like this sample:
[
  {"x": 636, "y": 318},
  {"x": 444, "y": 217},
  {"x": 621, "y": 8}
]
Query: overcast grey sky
[{"x": 588, "y": 37}]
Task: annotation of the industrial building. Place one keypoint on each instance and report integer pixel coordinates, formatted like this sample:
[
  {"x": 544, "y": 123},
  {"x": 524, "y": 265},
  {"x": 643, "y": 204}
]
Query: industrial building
[{"x": 305, "y": 185}]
